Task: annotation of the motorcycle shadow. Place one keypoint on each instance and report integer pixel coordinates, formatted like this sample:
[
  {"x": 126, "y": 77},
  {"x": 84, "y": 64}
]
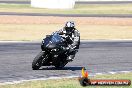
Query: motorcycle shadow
[{"x": 64, "y": 68}]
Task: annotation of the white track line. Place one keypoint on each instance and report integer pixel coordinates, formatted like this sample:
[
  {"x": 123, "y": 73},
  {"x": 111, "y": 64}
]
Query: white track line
[
  {"x": 21, "y": 81},
  {"x": 112, "y": 72}
]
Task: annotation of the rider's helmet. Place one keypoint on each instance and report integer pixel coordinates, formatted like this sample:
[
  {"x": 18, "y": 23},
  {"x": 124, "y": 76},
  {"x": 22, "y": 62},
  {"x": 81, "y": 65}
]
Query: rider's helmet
[{"x": 69, "y": 27}]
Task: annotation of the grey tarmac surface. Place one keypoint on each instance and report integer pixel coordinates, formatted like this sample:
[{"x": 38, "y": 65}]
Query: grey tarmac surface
[
  {"x": 95, "y": 56},
  {"x": 77, "y": 2},
  {"x": 14, "y": 2},
  {"x": 67, "y": 15}
]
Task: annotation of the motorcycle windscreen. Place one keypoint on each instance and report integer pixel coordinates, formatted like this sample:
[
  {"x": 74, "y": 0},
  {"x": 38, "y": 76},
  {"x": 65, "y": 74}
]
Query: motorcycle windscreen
[
  {"x": 56, "y": 38},
  {"x": 46, "y": 41}
]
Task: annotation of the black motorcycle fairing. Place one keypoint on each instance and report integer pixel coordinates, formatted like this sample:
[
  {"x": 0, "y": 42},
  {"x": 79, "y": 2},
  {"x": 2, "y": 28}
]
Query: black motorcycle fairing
[
  {"x": 54, "y": 41},
  {"x": 55, "y": 52}
]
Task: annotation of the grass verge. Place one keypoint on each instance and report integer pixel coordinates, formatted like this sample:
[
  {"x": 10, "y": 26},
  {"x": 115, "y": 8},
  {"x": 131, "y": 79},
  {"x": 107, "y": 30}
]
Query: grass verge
[
  {"x": 70, "y": 83},
  {"x": 79, "y": 9},
  {"x": 31, "y": 32}
]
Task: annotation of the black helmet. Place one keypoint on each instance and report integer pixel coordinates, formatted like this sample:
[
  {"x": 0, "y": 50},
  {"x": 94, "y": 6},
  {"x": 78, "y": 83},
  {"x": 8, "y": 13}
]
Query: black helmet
[{"x": 69, "y": 26}]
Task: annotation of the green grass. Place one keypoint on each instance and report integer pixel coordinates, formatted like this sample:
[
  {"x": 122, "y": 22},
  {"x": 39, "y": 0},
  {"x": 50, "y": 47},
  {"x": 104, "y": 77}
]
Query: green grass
[
  {"x": 69, "y": 83},
  {"x": 11, "y": 6},
  {"x": 79, "y": 9}
]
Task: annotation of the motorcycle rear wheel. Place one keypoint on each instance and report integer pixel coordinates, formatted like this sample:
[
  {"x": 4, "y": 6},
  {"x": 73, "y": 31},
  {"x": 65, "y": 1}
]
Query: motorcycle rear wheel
[
  {"x": 61, "y": 64},
  {"x": 37, "y": 62}
]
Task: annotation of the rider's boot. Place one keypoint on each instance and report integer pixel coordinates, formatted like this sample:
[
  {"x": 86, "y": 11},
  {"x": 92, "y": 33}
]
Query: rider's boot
[{"x": 70, "y": 57}]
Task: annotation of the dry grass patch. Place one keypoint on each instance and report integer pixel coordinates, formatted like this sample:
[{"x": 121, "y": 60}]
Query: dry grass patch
[
  {"x": 38, "y": 31},
  {"x": 35, "y": 27},
  {"x": 25, "y": 32}
]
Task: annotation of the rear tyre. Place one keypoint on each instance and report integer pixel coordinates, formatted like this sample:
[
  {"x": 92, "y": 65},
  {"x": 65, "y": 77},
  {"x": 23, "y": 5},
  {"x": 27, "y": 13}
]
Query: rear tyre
[{"x": 37, "y": 62}]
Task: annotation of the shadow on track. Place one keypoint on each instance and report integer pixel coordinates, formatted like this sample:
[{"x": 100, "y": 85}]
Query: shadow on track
[{"x": 65, "y": 68}]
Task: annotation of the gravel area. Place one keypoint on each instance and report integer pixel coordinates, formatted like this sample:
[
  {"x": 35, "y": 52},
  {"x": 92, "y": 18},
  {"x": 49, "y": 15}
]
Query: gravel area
[{"x": 61, "y": 20}]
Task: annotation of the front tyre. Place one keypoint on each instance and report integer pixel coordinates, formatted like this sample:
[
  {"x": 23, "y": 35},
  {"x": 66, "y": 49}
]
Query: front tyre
[{"x": 37, "y": 62}]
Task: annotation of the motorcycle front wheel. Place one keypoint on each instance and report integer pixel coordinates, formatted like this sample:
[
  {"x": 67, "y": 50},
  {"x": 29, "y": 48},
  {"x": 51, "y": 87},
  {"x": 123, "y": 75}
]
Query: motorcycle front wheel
[{"x": 37, "y": 62}]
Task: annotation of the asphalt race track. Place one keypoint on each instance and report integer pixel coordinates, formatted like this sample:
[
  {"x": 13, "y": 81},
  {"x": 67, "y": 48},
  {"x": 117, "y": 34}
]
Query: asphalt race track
[
  {"x": 67, "y": 15},
  {"x": 95, "y": 56},
  {"x": 77, "y": 2}
]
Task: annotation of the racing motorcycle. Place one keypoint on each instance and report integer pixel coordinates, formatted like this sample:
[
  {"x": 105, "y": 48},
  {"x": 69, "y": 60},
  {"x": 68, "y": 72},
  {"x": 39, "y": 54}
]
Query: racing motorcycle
[{"x": 53, "y": 52}]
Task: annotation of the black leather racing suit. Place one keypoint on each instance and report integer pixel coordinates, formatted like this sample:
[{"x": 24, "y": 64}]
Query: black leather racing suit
[{"x": 73, "y": 40}]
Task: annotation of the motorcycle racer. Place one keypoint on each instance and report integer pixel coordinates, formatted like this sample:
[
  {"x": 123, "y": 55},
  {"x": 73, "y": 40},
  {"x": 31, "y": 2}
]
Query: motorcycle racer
[
  {"x": 72, "y": 36},
  {"x": 59, "y": 48}
]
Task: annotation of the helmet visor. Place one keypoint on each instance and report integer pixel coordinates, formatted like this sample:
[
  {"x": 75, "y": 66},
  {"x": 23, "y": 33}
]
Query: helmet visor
[{"x": 68, "y": 30}]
